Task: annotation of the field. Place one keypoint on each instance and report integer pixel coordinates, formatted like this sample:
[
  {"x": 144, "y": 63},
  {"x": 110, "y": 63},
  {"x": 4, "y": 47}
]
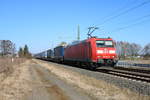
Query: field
[
  {"x": 39, "y": 80},
  {"x": 7, "y": 65}
]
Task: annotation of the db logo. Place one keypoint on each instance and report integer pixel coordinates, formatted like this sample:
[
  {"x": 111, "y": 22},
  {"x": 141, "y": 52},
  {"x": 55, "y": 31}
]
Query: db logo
[{"x": 105, "y": 50}]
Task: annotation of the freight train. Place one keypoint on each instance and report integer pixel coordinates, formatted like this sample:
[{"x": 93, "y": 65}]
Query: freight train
[{"x": 92, "y": 52}]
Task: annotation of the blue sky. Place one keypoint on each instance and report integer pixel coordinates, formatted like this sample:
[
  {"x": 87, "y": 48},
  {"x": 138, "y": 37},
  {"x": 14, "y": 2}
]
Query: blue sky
[{"x": 42, "y": 24}]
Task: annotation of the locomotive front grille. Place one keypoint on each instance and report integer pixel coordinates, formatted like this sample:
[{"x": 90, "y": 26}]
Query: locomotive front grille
[{"x": 100, "y": 61}]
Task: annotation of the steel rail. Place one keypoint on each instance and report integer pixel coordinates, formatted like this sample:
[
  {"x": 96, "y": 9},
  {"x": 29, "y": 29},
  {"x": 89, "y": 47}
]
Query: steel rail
[{"x": 127, "y": 74}]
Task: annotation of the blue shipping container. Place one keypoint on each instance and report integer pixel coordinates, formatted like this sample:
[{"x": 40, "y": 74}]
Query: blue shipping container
[{"x": 59, "y": 52}]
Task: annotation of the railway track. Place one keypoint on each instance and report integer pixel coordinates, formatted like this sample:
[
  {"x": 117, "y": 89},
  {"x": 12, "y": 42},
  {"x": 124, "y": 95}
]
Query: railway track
[
  {"x": 133, "y": 69},
  {"x": 131, "y": 74},
  {"x": 136, "y": 74}
]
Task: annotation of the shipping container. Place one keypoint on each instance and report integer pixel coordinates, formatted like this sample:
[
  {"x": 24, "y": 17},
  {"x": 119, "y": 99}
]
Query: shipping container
[
  {"x": 50, "y": 54},
  {"x": 59, "y": 53}
]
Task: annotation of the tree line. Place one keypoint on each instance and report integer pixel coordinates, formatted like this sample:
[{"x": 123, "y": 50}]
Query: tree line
[
  {"x": 132, "y": 50},
  {"x": 8, "y": 49},
  {"x": 24, "y": 52},
  {"x": 146, "y": 51}
]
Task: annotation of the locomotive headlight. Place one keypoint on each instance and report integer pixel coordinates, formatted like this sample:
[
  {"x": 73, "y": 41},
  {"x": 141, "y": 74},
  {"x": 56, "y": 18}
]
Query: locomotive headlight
[
  {"x": 112, "y": 51},
  {"x": 100, "y": 51}
]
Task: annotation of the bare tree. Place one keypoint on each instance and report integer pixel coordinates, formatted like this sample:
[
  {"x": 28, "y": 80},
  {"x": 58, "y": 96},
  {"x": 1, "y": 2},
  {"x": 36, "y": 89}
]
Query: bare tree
[
  {"x": 14, "y": 50},
  {"x": 146, "y": 51},
  {"x": 7, "y": 48},
  {"x": 125, "y": 49}
]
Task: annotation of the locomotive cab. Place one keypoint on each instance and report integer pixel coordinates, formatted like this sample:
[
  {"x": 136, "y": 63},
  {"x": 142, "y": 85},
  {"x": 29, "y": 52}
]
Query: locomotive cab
[{"x": 105, "y": 51}]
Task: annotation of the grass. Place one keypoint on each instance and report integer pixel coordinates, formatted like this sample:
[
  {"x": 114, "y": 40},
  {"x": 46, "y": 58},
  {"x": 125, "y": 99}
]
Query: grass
[{"x": 6, "y": 65}]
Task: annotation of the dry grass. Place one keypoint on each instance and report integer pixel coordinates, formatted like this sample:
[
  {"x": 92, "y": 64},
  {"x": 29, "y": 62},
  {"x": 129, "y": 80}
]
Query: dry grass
[
  {"x": 16, "y": 85},
  {"x": 6, "y": 66},
  {"x": 96, "y": 88}
]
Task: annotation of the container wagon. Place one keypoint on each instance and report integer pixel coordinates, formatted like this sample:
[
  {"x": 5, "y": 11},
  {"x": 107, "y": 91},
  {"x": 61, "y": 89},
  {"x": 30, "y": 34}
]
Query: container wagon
[
  {"x": 50, "y": 54},
  {"x": 42, "y": 55},
  {"x": 59, "y": 53}
]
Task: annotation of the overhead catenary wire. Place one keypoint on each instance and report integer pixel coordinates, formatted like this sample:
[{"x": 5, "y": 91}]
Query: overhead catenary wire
[
  {"x": 107, "y": 16},
  {"x": 140, "y": 18},
  {"x": 114, "y": 12},
  {"x": 135, "y": 22},
  {"x": 131, "y": 25},
  {"x": 120, "y": 9},
  {"x": 124, "y": 12}
]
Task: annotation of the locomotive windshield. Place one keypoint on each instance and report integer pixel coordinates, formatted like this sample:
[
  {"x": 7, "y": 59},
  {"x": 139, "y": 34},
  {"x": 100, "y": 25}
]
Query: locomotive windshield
[{"x": 104, "y": 43}]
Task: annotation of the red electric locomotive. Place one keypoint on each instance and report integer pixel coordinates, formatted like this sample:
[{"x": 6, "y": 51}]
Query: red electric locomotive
[{"x": 92, "y": 52}]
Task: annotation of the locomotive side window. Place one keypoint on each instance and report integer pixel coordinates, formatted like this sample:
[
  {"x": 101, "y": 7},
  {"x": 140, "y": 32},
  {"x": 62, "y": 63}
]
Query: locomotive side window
[{"x": 102, "y": 43}]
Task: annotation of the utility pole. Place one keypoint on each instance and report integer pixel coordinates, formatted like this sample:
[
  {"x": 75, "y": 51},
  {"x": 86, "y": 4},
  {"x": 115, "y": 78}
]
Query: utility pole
[{"x": 78, "y": 37}]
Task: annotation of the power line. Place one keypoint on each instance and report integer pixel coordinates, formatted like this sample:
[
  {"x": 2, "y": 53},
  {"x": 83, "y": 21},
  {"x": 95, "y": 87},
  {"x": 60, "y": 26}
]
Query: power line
[
  {"x": 130, "y": 25},
  {"x": 145, "y": 16},
  {"x": 124, "y": 12},
  {"x": 119, "y": 9}
]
